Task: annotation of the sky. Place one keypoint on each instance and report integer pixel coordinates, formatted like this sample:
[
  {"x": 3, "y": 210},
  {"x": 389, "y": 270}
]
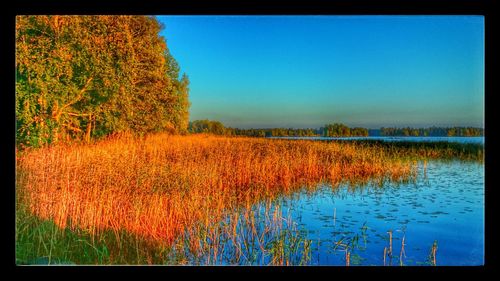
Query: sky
[{"x": 308, "y": 71}]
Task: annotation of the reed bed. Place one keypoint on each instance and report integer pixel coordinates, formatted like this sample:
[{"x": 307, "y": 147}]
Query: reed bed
[
  {"x": 441, "y": 150},
  {"x": 164, "y": 188}
]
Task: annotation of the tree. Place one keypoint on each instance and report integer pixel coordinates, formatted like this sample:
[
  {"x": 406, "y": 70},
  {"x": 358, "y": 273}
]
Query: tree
[
  {"x": 79, "y": 77},
  {"x": 433, "y": 131},
  {"x": 207, "y": 126}
]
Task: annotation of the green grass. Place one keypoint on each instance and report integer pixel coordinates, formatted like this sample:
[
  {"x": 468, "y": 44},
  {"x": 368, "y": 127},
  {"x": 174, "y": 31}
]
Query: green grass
[
  {"x": 42, "y": 242},
  {"x": 441, "y": 150}
]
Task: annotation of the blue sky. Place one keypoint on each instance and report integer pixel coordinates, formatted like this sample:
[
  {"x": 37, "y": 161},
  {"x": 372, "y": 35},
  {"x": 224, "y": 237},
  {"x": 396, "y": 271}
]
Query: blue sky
[{"x": 306, "y": 71}]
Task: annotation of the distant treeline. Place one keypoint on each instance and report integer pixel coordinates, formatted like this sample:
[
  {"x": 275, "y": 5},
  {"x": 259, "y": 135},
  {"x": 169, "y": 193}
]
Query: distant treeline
[
  {"x": 341, "y": 130},
  {"x": 217, "y": 128},
  {"x": 329, "y": 130},
  {"x": 274, "y": 132},
  {"x": 433, "y": 132}
]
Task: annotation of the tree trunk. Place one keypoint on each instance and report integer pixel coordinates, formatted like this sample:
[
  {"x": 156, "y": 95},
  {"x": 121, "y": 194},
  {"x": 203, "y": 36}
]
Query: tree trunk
[{"x": 89, "y": 129}]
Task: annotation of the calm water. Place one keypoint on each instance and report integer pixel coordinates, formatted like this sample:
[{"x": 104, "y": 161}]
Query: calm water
[
  {"x": 415, "y": 139},
  {"x": 445, "y": 205}
]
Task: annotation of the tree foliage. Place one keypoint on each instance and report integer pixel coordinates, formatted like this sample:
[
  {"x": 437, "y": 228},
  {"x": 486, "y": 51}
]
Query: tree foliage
[
  {"x": 80, "y": 77},
  {"x": 274, "y": 132},
  {"x": 332, "y": 130},
  {"x": 433, "y": 132},
  {"x": 207, "y": 127},
  {"x": 341, "y": 130}
]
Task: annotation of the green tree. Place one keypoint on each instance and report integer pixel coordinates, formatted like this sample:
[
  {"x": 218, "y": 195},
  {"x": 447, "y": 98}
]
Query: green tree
[
  {"x": 79, "y": 77},
  {"x": 207, "y": 126}
]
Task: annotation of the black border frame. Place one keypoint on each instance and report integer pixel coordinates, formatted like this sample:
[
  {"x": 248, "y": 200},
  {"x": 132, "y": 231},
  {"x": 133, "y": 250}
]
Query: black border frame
[{"x": 258, "y": 7}]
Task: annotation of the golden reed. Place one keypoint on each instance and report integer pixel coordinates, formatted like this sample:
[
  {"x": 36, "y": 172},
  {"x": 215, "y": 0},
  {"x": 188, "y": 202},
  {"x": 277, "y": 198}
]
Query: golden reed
[{"x": 160, "y": 185}]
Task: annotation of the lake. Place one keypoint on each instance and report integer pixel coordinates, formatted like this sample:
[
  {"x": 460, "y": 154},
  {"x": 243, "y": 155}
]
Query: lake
[
  {"x": 445, "y": 204},
  {"x": 398, "y": 139}
]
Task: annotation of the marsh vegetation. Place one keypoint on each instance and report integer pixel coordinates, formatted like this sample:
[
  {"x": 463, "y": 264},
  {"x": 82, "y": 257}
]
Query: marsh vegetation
[{"x": 198, "y": 199}]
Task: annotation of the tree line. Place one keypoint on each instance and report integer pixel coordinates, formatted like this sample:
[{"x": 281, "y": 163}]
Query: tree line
[
  {"x": 84, "y": 77},
  {"x": 329, "y": 130},
  {"x": 433, "y": 132},
  {"x": 341, "y": 130}
]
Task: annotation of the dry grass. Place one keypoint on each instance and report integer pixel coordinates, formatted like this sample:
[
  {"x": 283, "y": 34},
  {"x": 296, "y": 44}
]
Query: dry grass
[{"x": 159, "y": 186}]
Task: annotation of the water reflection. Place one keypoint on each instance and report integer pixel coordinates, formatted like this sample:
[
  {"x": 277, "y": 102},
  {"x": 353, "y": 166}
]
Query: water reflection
[
  {"x": 446, "y": 204},
  {"x": 441, "y": 212}
]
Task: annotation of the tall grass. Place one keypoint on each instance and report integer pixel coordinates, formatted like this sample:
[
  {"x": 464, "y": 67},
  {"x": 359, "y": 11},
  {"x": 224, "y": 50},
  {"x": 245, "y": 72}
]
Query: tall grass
[
  {"x": 162, "y": 189},
  {"x": 441, "y": 150}
]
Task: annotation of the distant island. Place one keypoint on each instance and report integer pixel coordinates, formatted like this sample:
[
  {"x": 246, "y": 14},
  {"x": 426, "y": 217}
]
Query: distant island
[{"x": 332, "y": 130}]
